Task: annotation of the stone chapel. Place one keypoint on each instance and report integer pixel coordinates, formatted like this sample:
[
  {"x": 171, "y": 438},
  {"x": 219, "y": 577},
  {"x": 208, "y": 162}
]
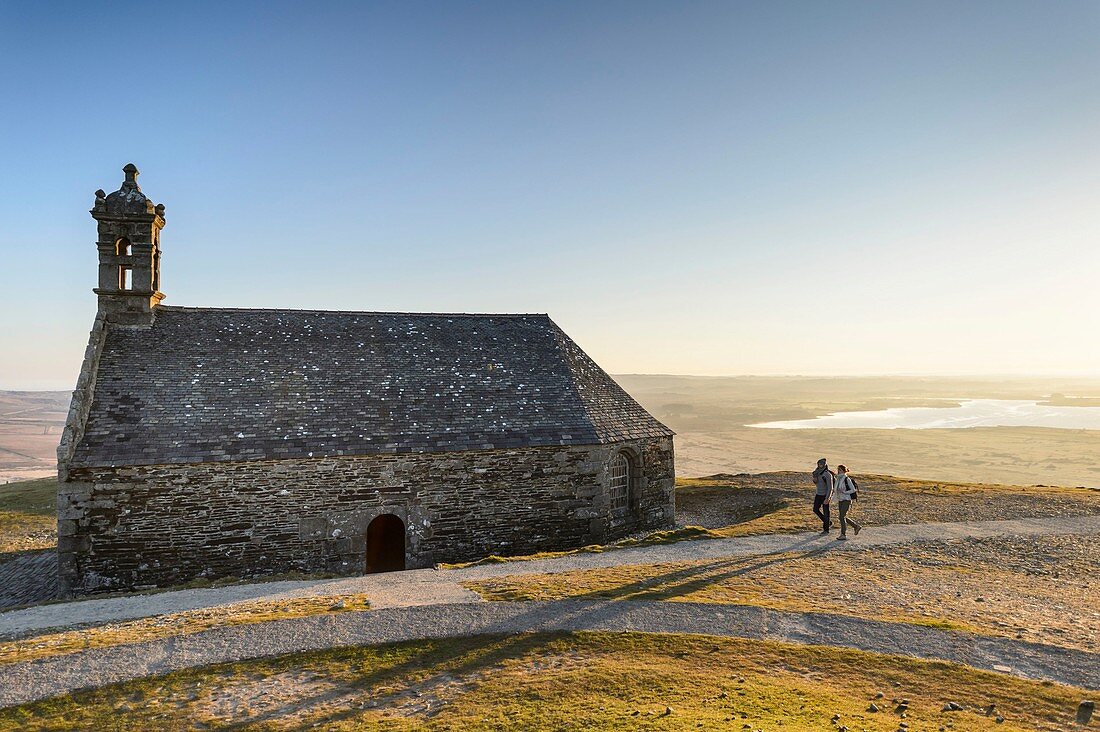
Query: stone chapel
[{"x": 210, "y": 442}]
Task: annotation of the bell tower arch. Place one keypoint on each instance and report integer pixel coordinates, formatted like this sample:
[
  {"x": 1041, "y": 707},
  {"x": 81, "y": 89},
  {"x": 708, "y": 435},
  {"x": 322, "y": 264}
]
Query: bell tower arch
[{"x": 129, "y": 252}]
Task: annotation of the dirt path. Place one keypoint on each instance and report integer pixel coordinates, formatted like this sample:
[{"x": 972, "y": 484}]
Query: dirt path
[
  {"x": 49, "y": 677},
  {"x": 432, "y": 587}
]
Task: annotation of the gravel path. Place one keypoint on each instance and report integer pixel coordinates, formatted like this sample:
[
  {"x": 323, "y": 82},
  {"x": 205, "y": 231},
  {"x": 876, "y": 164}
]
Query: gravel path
[
  {"x": 432, "y": 587},
  {"x": 51, "y": 676}
]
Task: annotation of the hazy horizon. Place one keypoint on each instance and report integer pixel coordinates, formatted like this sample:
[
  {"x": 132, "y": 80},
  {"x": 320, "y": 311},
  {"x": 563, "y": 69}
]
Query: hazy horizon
[
  {"x": 712, "y": 189},
  {"x": 1092, "y": 380}
]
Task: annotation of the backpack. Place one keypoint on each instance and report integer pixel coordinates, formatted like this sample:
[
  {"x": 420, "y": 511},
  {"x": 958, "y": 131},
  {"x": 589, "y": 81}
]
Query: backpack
[{"x": 855, "y": 488}]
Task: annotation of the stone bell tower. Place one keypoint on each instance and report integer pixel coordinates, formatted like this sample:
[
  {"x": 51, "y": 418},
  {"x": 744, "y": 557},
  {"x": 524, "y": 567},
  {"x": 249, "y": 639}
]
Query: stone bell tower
[{"x": 129, "y": 252}]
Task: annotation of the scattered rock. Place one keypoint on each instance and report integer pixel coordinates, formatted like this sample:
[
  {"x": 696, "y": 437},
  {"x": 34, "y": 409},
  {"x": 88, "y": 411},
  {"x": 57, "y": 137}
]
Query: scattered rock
[
  {"x": 952, "y": 707},
  {"x": 338, "y": 605},
  {"x": 668, "y": 711},
  {"x": 1084, "y": 711},
  {"x": 880, "y": 695},
  {"x": 873, "y": 707},
  {"x": 1000, "y": 719}
]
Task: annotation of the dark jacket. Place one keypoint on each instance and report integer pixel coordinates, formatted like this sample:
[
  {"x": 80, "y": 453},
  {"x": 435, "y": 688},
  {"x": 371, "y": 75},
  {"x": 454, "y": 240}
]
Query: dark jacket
[{"x": 823, "y": 479}]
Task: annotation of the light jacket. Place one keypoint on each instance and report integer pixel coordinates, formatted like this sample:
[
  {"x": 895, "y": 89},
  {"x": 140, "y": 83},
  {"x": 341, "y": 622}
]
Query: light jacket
[{"x": 844, "y": 488}]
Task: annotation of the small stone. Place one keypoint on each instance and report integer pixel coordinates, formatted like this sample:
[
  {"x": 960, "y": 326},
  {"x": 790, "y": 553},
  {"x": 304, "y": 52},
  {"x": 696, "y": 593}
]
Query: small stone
[
  {"x": 836, "y": 718},
  {"x": 1000, "y": 719},
  {"x": 873, "y": 707},
  {"x": 1084, "y": 711},
  {"x": 880, "y": 695},
  {"x": 668, "y": 710},
  {"x": 338, "y": 605}
]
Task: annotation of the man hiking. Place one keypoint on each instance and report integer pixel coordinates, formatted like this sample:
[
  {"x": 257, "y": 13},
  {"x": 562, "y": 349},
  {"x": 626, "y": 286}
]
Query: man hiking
[{"x": 823, "y": 480}]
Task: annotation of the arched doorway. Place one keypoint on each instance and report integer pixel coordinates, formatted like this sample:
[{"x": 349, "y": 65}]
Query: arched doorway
[{"x": 385, "y": 544}]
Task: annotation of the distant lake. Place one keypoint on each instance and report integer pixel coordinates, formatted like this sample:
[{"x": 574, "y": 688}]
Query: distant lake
[{"x": 970, "y": 413}]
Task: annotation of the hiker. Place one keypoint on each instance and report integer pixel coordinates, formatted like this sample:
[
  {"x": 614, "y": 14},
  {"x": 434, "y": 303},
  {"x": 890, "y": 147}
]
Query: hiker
[
  {"x": 846, "y": 492},
  {"x": 823, "y": 479}
]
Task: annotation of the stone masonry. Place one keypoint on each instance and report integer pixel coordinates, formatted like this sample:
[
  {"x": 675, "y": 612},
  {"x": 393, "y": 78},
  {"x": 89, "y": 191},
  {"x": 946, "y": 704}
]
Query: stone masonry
[{"x": 162, "y": 525}]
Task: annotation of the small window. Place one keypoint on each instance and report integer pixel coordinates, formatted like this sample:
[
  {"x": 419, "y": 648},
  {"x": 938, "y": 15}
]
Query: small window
[
  {"x": 620, "y": 485},
  {"x": 125, "y": 278},
  {"x": 122, "y": 247}
]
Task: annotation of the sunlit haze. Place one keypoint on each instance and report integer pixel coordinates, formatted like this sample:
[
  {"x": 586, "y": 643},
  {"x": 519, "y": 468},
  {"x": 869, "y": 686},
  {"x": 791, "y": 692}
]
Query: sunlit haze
[{"x": 690, "y": 188}]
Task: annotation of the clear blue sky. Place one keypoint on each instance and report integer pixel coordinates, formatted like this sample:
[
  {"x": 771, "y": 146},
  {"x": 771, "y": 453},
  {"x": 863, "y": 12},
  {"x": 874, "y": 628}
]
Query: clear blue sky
[{"x": 708, "y": 188}]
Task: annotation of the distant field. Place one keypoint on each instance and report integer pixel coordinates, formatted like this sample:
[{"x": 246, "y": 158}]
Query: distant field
[
  {"x": 710, "y": 416},
  {"x": 30, "y": 428}
]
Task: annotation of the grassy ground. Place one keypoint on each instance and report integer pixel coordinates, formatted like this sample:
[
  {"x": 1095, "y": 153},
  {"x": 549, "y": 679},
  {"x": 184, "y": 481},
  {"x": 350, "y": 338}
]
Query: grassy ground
[
  {"x": 780, "y": 503},
  {"x": 28, "y": 515},
  {"x": 684, "y": 533},
  {"x": 184, "y": 623},
  {"x": 584, "y": 681},
  {"x": 1040, "y": 590},
  {"x": 769, "y": 503}
]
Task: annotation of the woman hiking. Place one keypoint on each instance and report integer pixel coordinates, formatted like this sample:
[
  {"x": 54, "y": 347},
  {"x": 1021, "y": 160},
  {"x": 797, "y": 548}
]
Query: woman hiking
[{"x": 845, "y": 492}]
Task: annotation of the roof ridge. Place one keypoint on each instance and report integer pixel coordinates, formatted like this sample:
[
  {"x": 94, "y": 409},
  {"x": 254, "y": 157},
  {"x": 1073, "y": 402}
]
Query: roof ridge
[
  {"x": 192, "y": 309},
  {"x": 578, "y": 362}
]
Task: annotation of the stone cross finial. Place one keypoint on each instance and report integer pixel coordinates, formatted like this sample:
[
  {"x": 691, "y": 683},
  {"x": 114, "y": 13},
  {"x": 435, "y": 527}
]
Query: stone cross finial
[{"x": 132, "y": 173}]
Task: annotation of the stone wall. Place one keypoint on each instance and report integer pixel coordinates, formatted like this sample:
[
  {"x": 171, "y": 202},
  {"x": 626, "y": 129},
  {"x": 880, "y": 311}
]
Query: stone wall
[
  {"x": 81, "y": 402},
  {"x": 128, "y": 527}
]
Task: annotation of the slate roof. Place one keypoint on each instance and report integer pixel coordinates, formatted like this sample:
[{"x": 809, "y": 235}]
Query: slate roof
[{"x": 213, "y": 384}]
